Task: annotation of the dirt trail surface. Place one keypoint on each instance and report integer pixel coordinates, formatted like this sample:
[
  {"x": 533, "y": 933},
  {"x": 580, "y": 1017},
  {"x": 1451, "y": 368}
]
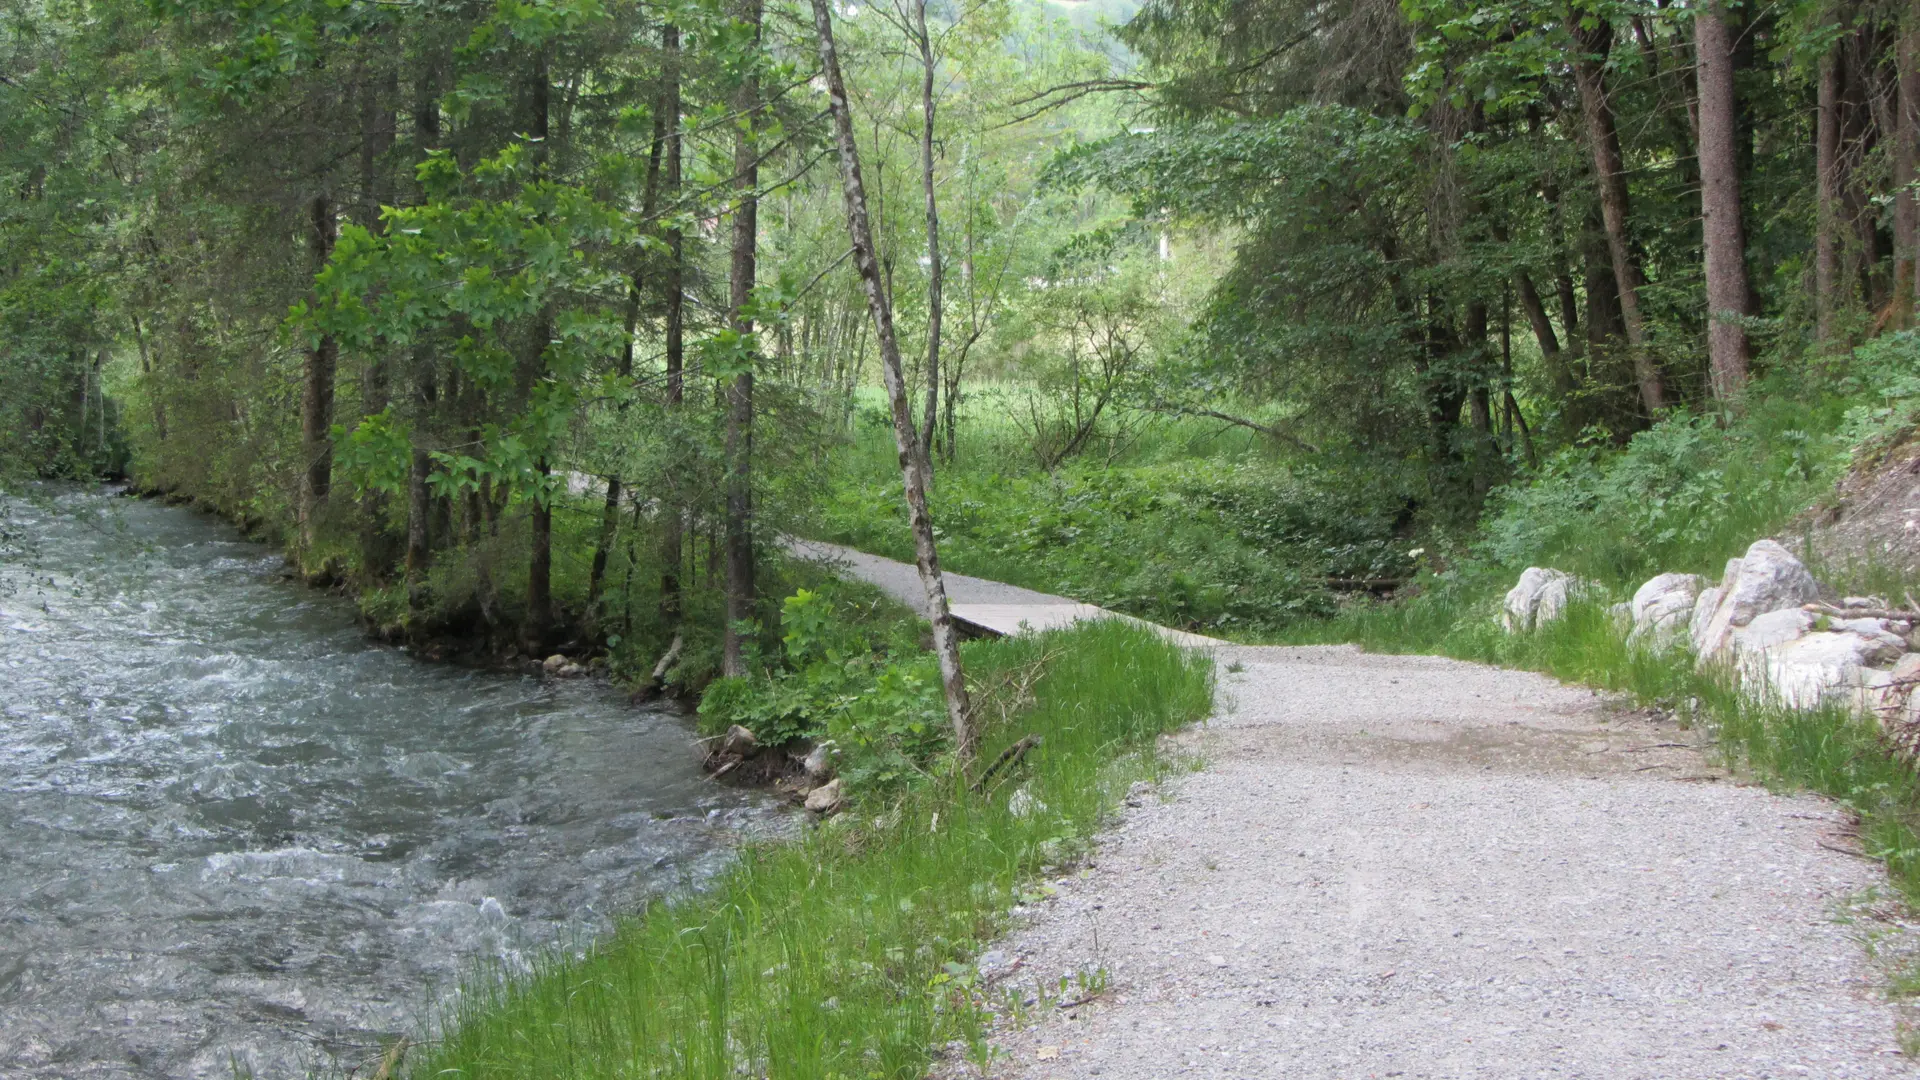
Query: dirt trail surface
[
  {"x": 1396, "y": 866},
  {"x": 1408, "y": 866}
]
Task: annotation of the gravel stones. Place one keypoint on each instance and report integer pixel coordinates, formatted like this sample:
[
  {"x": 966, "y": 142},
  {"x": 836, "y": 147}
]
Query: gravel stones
[{"x": 1417, "y": 867}]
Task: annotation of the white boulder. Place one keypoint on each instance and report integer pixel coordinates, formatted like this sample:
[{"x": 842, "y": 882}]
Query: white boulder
[
  {"x": 819, "y": 762},
  {"x": 1025, "y": 804},
  {"x": 1802, "y": 659},
  {"x": 1767, "y": 578},
  {"x": 1662, "y": 608},
  {"x": 1539, "y": 598},
  {"x": 1814, "y": 668},
  {"x": 826, "y": 798},
  {"x": 1772, "y": 630}
]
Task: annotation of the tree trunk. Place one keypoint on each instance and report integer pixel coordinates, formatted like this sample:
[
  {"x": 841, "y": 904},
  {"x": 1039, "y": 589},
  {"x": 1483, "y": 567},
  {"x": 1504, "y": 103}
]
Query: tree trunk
[
  {"x": 376, "y": 142},
  {"x": 147, "y": 378},
  {"x": 1536, "y": 311},
  {"x": 1906, "y": 221},
  {"x": 739, "y": 398},
  {"x": 1826, "y": 169},
  {"x": 649, "y": 201},
  {"x": 946, "y": 642},
  {"x": 1722, "y": 233},
  {"x": 1609, "y": 168},
  {"x": 1857, "y": 139},
  {"x": 671, "y": 604},
  {"x": 1480, "y": 399},
  {"x": 535, "y": 635},
  {"x": 426, "y": 136},
  {"x": 936, "y": 267},
  {"x": 316, "y": 399}
]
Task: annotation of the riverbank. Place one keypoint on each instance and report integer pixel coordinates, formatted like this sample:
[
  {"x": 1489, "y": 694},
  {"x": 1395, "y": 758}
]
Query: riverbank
[
  {"x": 240, "y": 835},
  {"x": 849, "y": 952}
]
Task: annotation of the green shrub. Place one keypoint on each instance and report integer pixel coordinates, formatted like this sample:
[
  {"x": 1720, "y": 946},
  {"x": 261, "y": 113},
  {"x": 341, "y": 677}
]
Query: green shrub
[
  {"x": 1217, "y": 545},
  {"x": 883, "y": 707},
  {"x": 1692, "y": 491}
]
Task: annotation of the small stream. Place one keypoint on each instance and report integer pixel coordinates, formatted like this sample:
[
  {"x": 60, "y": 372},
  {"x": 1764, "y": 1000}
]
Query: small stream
[{"x": 236, "y": 837}]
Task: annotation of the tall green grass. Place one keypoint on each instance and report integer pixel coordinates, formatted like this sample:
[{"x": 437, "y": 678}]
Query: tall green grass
[
  {"x": 1186, "y": 522},
  {"x": 845, "y": 953}
]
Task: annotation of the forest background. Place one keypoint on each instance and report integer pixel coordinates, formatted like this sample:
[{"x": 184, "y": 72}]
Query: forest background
[{"x": 533, "y": 323}]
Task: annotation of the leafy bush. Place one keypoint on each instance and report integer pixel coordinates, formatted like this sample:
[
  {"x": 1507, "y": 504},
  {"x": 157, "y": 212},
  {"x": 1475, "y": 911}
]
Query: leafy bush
[
  {"x": 1691, "y": 491},
  {"x": 881, "y": 706}
]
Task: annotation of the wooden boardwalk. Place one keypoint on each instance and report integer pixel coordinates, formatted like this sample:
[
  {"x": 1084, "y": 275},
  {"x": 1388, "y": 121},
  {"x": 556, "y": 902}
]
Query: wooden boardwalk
[
  {"x": 1005, "y": 620},
  {"x": 981, "y": 607}
]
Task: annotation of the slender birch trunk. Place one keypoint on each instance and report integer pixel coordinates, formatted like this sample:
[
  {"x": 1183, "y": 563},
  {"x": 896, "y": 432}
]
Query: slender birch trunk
[
  {"x": 946, "y": 642},
  {"x": 739, "y": 395},
  {"x": 539, "y": 624},
  {"x": 636, "y": 288},
  {"x": 674, "y": 286},
  {"x": 1826, "y": 168},
  {"x": 426, "y": 136},
  {"x": 316, "y": 398},
  {"x": 936, "y": 266}
]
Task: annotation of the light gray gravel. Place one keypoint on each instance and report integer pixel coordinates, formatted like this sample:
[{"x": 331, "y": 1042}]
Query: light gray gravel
[{"x": 1407, "y": 866}]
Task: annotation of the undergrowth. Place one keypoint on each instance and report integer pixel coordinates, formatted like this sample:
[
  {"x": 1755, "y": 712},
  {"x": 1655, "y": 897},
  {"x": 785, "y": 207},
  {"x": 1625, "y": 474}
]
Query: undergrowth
[
  {"x": 845, "y": 953},
  {"x": 1187, "y": 523}
]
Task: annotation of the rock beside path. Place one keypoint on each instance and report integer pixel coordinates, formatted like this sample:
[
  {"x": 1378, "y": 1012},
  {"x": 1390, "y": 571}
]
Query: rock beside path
[
  {"x": 1662, "y": 608},
  {"x": 1539, "y": 598},
  {"x": 1764, "y": 622},
  {"x": 1767, "y": 578}
]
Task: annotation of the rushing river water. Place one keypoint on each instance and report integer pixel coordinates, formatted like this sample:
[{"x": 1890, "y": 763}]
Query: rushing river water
[{"x": 237, "y": 837}]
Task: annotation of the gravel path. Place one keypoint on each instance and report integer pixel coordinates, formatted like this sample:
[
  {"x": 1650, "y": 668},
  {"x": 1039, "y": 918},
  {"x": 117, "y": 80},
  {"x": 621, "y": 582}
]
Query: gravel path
[
  {"x": 1408, "y": 866},
  {"x": 1405, "y": 866}
]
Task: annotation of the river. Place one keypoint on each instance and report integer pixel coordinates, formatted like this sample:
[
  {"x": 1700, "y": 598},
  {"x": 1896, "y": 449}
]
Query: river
[{"x": 238, "y": 838}]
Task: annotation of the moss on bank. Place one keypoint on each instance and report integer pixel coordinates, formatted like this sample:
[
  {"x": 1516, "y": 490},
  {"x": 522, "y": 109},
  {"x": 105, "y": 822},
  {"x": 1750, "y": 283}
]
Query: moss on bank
[{"x": 845, "y": 953}]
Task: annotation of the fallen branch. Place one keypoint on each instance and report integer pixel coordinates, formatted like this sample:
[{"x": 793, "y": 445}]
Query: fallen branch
[
  {"x": 657, "y": 682},
  {"x": 391, "y": 1059},
  {"x": 1863, "y": 612},
  {"x": 1238, "y": 421},
  {"x": 1021, "y": 681},
  {"x": 1365, "y": 583},
  {"x": 1008, "y": 758},
  {"x": 1856, "y": 853}
]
